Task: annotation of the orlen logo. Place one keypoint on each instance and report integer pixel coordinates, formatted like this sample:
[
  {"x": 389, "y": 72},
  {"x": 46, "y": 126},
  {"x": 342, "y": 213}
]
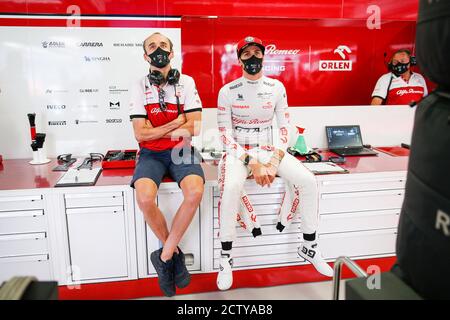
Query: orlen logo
[
  {"x": 90, "y": 44},
  {"x": 57, "y": 123},
  {"x": 338, "y": 65},
  {"x": 272, "y": 49},
  {"x": 113, "y": 120}
]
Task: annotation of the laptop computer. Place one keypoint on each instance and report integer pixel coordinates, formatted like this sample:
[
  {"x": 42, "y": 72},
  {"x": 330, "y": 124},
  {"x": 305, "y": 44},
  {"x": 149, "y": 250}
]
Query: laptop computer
[{"x": 347, "y": 141}]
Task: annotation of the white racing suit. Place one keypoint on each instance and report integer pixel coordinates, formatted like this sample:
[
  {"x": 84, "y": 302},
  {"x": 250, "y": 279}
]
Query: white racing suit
[{"x": 245, "y": 113}]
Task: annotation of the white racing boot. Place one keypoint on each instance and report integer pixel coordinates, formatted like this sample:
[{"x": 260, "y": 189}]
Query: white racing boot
[
  {"x": 225, "y": 276},
  {"x": 310, "y": 252}
]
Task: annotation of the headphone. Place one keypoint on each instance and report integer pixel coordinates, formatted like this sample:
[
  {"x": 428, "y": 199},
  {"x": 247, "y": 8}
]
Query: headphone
[
  {"x": 156, "y": 77},
  {"x": 412, "y": 59}
]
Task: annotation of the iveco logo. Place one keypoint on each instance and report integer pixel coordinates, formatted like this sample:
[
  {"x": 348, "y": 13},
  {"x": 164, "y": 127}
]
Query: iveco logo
[
  {"x": 57, "y": 123},
  {"x": 113, "y": 120},
  {"x": 90, "y": 44},
  {"x": 56, "y": 106}
]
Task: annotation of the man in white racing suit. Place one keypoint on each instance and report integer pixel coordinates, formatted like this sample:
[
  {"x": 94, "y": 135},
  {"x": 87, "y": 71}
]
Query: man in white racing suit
[{"x": 245, "y": 110}]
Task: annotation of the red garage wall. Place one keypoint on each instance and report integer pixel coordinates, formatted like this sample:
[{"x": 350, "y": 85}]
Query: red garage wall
[{"x": 308, "y": 31}]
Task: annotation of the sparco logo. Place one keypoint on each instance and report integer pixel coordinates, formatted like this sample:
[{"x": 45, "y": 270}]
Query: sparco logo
[
  {"x": 53, "y": 44},
  {"x": 56, "y": 106},
  {"x": 236, "y": 86},
  {"x": 57, "y": 123},
  {"x": 90, "y": 44},
  {"x": 113, "y": 120},
  {"x": 272, "y": 49},
  {"x": 96, "y": 59}
]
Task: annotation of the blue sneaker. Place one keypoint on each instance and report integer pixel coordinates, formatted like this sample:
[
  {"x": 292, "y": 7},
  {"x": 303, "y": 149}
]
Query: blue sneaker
[
  {"x": 165, "y": 273},
  {"x": 181, "y": 274}
]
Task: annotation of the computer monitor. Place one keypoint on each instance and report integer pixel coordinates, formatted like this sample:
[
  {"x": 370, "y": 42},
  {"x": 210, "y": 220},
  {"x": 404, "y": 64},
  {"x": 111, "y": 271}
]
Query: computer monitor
[{"x": 340, "y": 137}]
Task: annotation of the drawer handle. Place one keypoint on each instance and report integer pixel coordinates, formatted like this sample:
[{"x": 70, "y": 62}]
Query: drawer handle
[
  {"x": 189, "y": 259},
  {"x": 21, "y": 214},
  {"x": 339, "y": 182},
  {"x": 15, "y": 259},
  {"x": 361, "y": 194},
  {"x": 23, "y": 236},
  {"x": 110, "y": 210},
  {"x": 21, "y": 199},
  {"x": 92, "y": 196}
]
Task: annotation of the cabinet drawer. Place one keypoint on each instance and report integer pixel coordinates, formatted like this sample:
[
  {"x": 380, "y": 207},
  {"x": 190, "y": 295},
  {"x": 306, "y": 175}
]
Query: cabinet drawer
[
  {"x": 21, "y": 203},
  {"x": 251, "y": 187},
  {"x": 349, "y": 184},
  {"x": 361, "y": 201},
  {"x": 265, "y": 229},
  {"x": 22, "y": 221},
  {"x": 263, "y": 260},
  {"x": 255, "y": 199},
  {"x": 260, "y": 209},
  {"x": 97, "y": 243},
  {"x": 34, "y": 265},
  {"x": 263, "y": 220},
  {"x": 261, "y": 250},
  {"x": 94, "y": 199},
  {"x": 190, "y": 244},
  {"x": 359, "y": 221},
  {"x": 354, "y": 244},
  {"x": 23, "y": 244},
  {"x": 262, "y": 240}
]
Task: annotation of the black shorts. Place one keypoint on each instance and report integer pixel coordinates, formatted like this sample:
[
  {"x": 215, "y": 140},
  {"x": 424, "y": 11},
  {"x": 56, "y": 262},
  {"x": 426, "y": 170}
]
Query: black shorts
[{"x": 178, "y": 163}]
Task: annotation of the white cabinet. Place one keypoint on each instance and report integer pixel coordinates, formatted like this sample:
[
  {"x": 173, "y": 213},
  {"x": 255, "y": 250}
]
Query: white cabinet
[
  {"x": 169, "y": 200},
  {"x": 359, "y": 213},
  {"x": 271, "y": 248},
  {"x": 98, "y": 235},
  {"x": 97, "y": 242},
  {"x": 24, "y": 243}
]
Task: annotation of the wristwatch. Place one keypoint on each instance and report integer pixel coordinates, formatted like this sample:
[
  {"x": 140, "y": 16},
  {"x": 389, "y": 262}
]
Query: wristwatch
[{"x": 246, "y": 160}]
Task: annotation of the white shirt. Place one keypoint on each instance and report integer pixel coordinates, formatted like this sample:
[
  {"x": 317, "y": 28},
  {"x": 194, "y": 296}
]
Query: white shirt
[{"x": 245, "y": 111}]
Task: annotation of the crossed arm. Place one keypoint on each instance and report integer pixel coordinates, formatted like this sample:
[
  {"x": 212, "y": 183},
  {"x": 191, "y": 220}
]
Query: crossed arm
[{"x": 185, "y": 125}]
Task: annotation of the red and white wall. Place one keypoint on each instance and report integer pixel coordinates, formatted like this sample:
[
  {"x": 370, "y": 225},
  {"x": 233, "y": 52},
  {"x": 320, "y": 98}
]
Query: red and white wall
[{"x": 327, "y": 53}]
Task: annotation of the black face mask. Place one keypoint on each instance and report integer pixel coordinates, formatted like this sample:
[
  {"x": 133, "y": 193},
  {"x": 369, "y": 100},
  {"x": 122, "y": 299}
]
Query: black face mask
[
  {"x": 400, "y": 68},
  {"x": 252, "y": 65},
  {"x": 159, "y": 58}
]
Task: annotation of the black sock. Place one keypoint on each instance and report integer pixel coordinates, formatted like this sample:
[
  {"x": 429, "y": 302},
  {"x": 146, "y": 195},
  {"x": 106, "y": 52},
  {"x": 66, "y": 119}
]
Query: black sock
[
  {"x": 228, "y": 245},
  {"x": 309, "y": 236}
]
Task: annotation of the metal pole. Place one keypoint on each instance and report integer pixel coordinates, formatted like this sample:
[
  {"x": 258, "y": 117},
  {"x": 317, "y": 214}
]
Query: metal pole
[{"x": 357, "y": 270}]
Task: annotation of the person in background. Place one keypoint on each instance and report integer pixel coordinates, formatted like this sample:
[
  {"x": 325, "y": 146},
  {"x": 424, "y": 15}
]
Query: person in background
[
  {"x": 400, "y": 85},
  {"x": 166, "y": 112}
]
